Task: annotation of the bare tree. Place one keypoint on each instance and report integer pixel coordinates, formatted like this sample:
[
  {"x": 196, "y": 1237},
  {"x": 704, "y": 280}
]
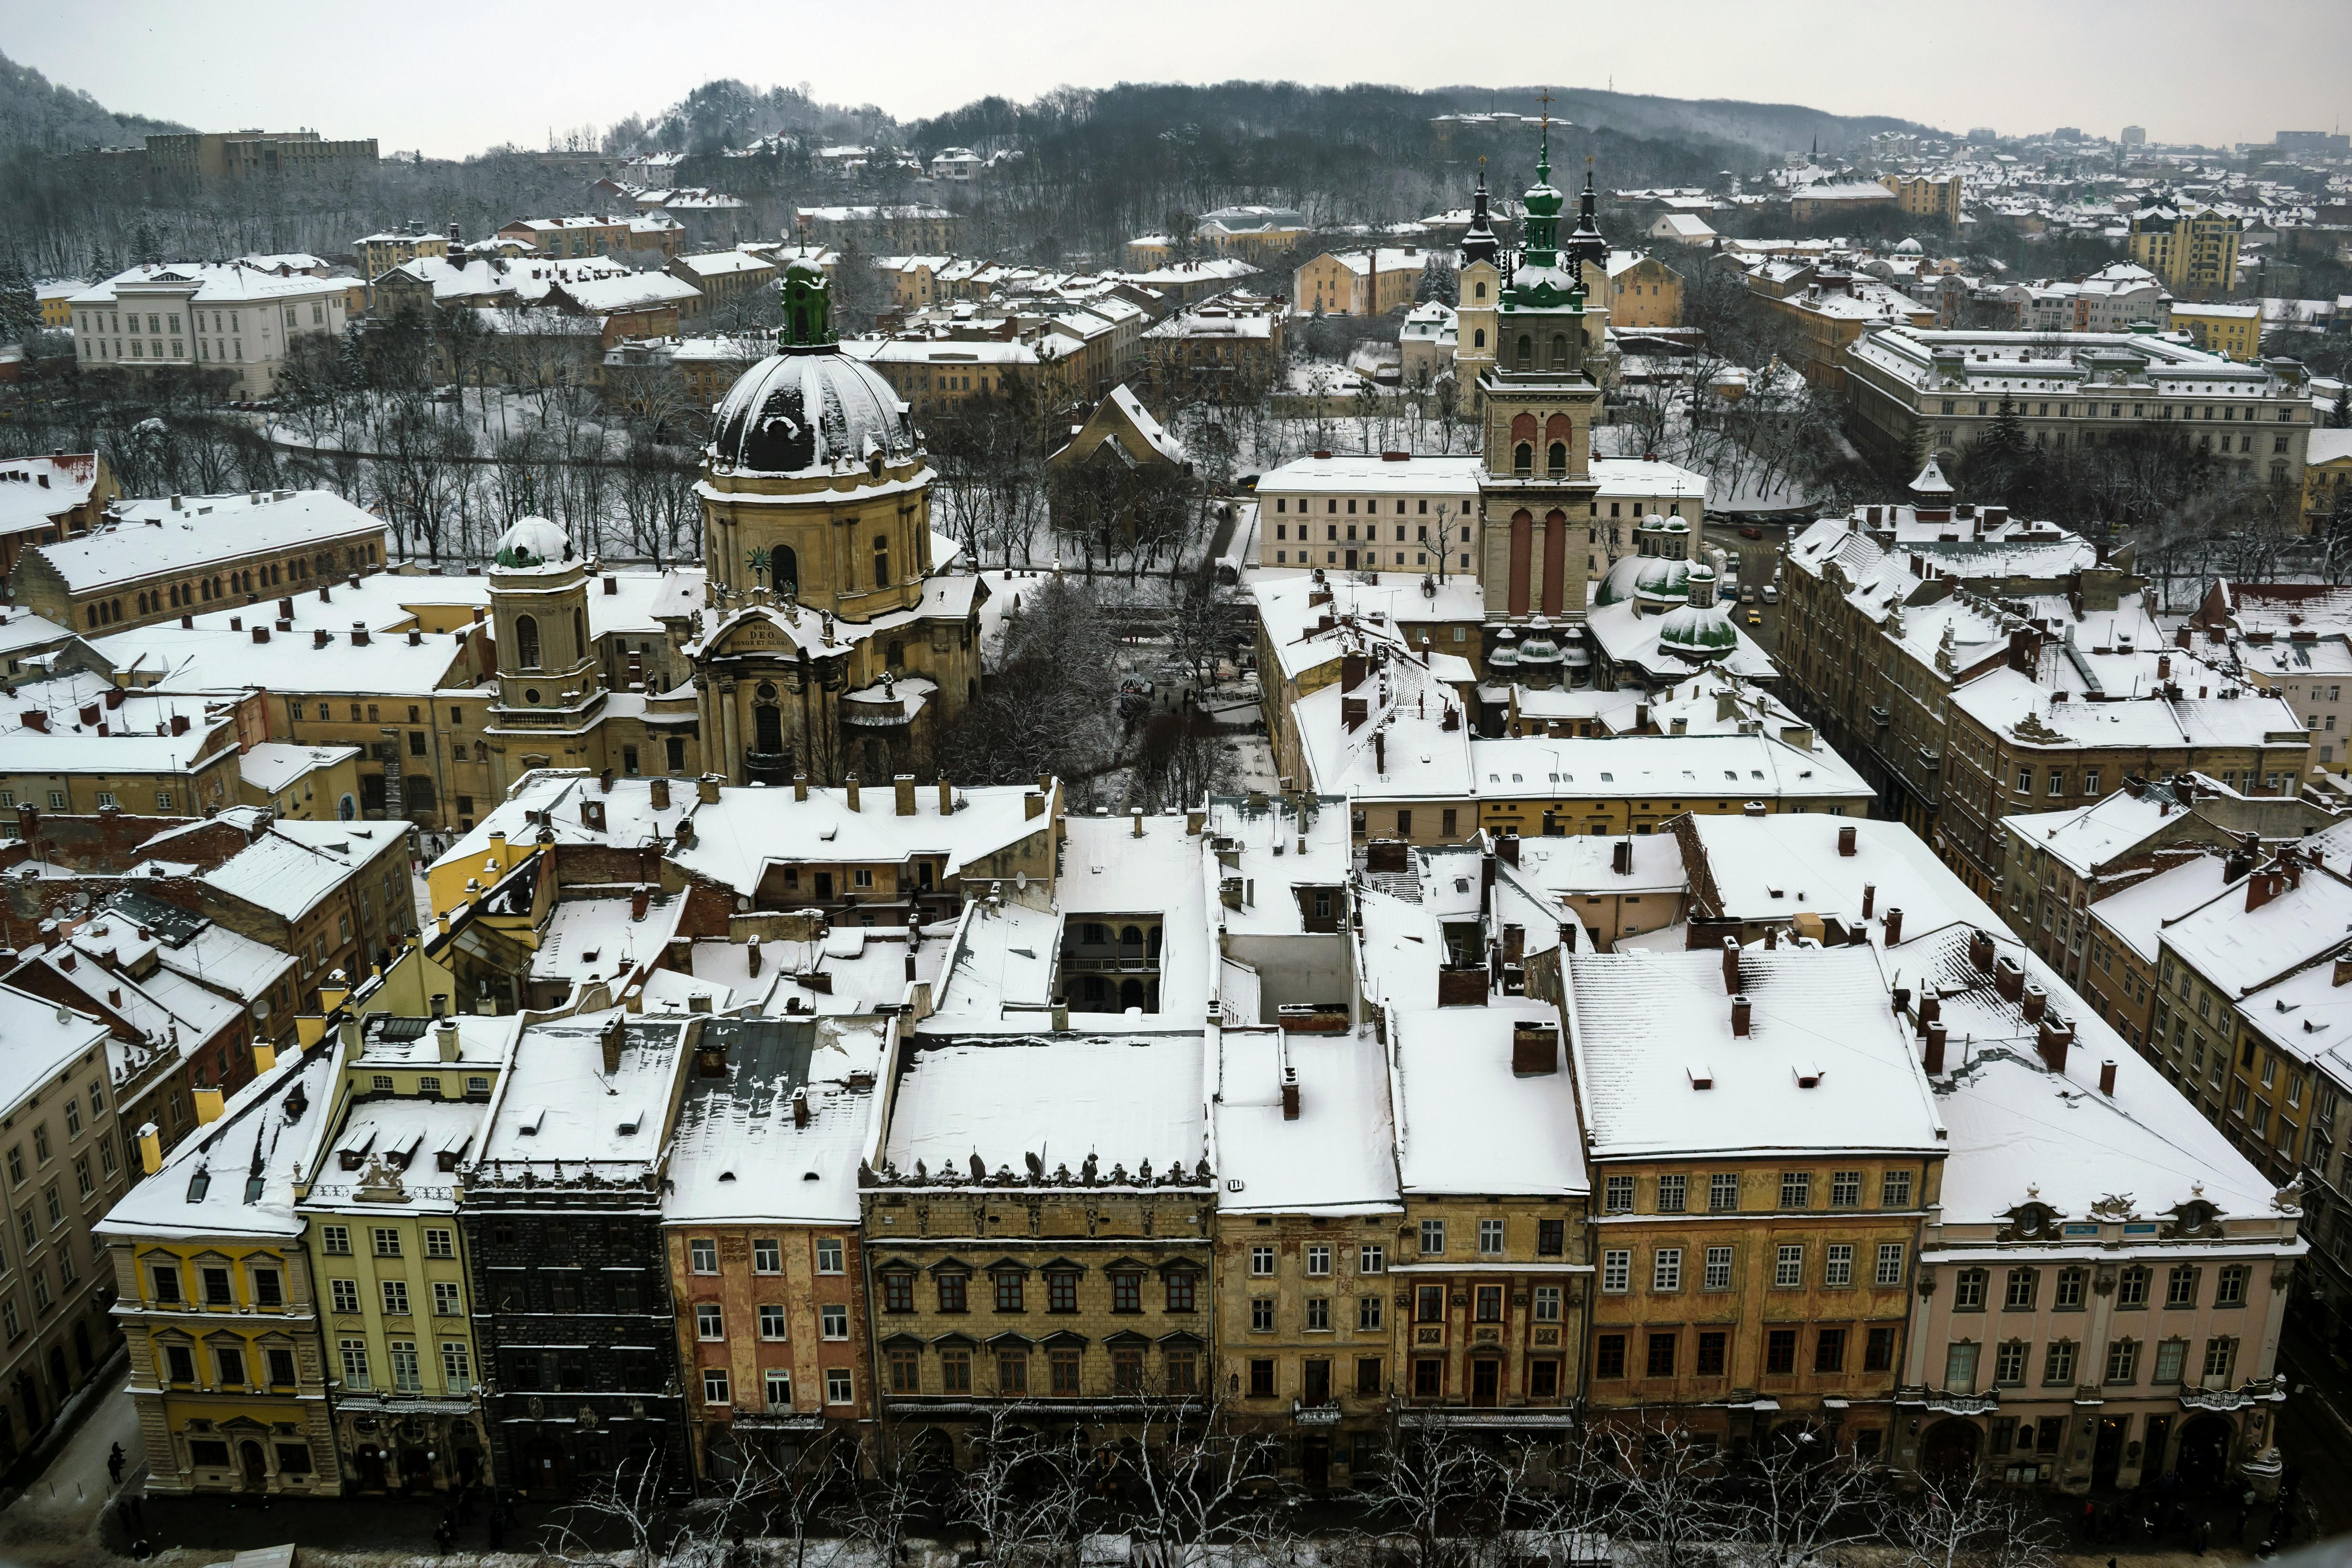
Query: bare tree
[
  {"x": 1198, "y": 1483},
  {"x": 1432, "y": 1496},
  {"x": 1961, "y": 1520},
  {"x": 1668, "y": 1512},
  {"x": 889, "y": 1492}
]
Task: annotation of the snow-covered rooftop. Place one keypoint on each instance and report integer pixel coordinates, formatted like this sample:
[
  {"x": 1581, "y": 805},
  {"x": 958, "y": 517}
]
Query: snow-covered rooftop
[
  {"x": 1122, "y": 1099},
  {"x": 1337, "y": 1156},
  {"x": 1824, "y": 1064}
]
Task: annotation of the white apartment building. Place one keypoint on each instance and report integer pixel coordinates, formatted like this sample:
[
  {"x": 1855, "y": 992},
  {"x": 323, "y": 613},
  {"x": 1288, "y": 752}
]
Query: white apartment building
[
  {"x": 2078, "y": 390},
  {"x": 226, "y": 317}
]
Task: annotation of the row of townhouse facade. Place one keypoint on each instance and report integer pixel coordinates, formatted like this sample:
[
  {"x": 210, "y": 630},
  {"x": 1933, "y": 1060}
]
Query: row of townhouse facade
[
  {"x": 1375, "y": 1146},
  {"x": 1975, "y": 666}
]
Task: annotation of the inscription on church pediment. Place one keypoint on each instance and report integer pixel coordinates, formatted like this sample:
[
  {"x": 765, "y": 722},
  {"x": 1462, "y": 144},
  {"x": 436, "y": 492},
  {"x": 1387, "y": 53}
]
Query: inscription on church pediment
[{"x": 755, "y": 635}]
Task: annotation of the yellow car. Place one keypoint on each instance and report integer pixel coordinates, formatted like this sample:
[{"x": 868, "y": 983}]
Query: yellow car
[{"x": 1755, "y": 618}]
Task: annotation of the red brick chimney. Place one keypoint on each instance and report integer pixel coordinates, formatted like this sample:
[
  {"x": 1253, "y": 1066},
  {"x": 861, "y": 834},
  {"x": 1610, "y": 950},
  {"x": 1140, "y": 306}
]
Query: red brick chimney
[{"x": 1731, "y": 965}]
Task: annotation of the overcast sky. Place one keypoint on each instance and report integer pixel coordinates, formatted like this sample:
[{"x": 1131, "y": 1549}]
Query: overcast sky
[{"x": 452, "y": 79}]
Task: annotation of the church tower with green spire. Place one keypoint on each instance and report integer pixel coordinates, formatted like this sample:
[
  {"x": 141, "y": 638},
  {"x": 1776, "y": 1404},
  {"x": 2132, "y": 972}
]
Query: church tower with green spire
[{"x": 1537, "y": 496}]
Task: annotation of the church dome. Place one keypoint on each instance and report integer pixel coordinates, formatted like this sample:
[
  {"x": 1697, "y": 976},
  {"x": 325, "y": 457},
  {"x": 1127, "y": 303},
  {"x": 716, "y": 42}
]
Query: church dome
[
  {"x": 1693, "y": 632},
  {"x": 531, "y": 542},
  {"x": 806, "y": 410},
  {"x": 1617, "y": 583}
]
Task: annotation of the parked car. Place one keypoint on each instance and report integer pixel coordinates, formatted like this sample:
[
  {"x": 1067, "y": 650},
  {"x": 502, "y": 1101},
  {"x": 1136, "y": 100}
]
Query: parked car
[
  {"x": 1747, "y": 596},
  {"x": 1771, "y": 594}
]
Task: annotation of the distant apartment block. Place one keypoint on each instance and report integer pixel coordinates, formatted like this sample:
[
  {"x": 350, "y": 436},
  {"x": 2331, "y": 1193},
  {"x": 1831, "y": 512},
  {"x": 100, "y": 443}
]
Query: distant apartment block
[{"x": 214, "y": 155}]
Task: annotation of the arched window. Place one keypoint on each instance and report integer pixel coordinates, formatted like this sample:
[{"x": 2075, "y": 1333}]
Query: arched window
[
  {"x": 578, "y": 633},
  {"x": 1560, "y": 351},
  {"x": 1523, "y": 459},
  {"x": 1555, "y": 458},
  {"x": 1481, "y": 293},
  {"x": 881, "y": 560},
  {"x": 1526, "y": 352},
  {"x": 768, "y": 728},
  {"x": 784, "y": 567},
  {"x": 526, "y": 642},
  {"x": 1478, "y": 337}
]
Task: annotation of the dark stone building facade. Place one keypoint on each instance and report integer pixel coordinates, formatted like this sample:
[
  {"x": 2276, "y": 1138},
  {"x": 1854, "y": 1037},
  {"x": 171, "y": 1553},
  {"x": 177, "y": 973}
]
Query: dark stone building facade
[{"x": 571, "y": 1288}]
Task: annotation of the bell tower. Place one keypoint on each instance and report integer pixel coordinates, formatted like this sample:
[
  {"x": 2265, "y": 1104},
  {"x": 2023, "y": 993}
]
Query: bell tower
[
  {"x": 550, "y": 686},
  {"x": 1479, "y": 288},
  {"x": 1538, "y": 399}
]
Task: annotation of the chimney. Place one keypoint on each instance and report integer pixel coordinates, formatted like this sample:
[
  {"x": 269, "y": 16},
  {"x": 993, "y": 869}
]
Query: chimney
[
  {"x": 2033, "y": 1003},
  {"x": 1753, "y": 809},
  {"x": 1352, "y": 671},
  {"x": 35, "y": 721},
  {"x": 1894, "y": 927},
  {"x": 1936, "y": 1035},
  {"x": 800, "y": 785},
  {"x": 946, "y": 798},
  {"x": 902, "y": 790},
  {"x": 801, "y": 1106},
  {"x": 1138, "y": 815},
  {"x": 444, "y": 1040},
  {"x": 849, "y": 791},
  {"x": 604, "y": 782},
  {"x": 1869, "y": 898},
  {"x": 1731, "y": 965},
  {"x": 2052, "y": 1039},
  {"x": 1380, "y": 752},
  {"x": 640, "y": 896},
  {"x": 2108, "y": 1078},
  {"x": 151, "y": 1148},
  {"x": 751, "y": 955},
  {"x": 1742, "y": 1012},
  {"x": 319, "y": 637},
  {"x": 1290, "y": 1093},
  {"x": 1535, "y": 1048},
  {"x": 359, "y": 634},
  {"x": 180, "y": 720},
  {"x": 1506, "y": 848},
  {"x": 2262, "y": 887},
  {"x": 1981, "y": 951},
  {"x": 609, "y": 1038},
  {"x": 657, "y": 794},
  {"x": 2009, "y": 979},
  {"x": 1931, "y": 1006},
  {"x": 1045, "y": 784},
  {"x": 706, "y": 789},
  {"x": 1641, "y": 718},
  {"x": 2343, "y": 969},
  {"x": 2163, "y": 666},
  {"x": 1845, "y": 840},
  {"x": 1620, "y": 857},
  {"x": 1032, "y": 805}
]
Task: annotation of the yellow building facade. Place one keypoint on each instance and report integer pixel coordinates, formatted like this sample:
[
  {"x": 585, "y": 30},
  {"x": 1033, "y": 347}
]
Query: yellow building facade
[
  {"x": 2196, "y": 253},
  {"x": 213, "y": 1295},
  {"x": 2234, "y": 331}
]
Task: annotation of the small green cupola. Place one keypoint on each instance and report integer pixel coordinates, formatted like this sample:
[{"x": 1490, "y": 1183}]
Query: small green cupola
[{"x": 808, "y": 305}]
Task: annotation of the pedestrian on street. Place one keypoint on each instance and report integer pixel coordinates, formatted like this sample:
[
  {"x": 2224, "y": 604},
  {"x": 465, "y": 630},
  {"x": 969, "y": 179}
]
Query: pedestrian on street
[
  {"x": 114, "y": 1466},
  {"x": 2198, "y": 1535}
]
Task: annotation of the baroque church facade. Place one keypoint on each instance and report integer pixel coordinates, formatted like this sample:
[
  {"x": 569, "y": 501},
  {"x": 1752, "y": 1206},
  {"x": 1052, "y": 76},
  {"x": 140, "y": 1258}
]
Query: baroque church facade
[{"x": 823, "y": 637}]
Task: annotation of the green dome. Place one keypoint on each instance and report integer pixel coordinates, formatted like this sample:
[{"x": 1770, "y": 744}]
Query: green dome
[{"x": 1696, "y": 633}]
